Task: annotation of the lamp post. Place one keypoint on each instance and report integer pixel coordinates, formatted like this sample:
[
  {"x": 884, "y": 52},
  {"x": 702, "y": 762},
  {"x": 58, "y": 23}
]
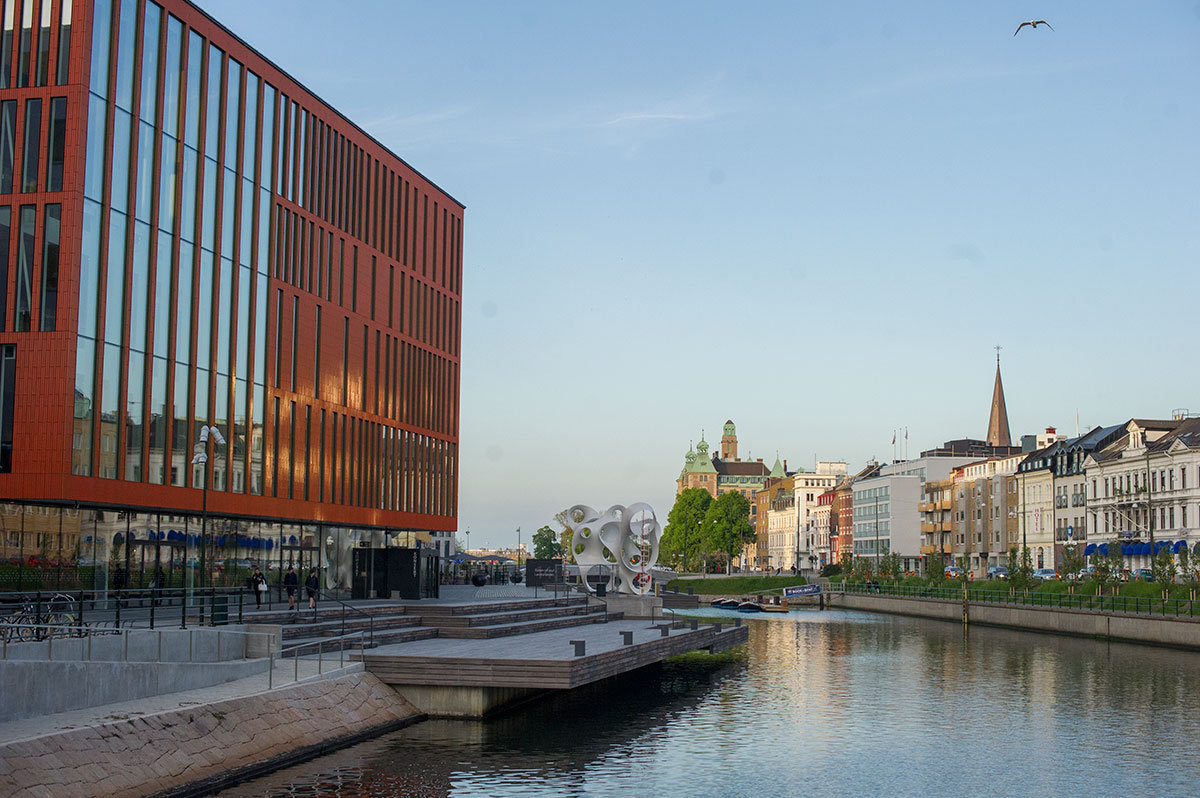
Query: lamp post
[{"x": 201, "y": 458}]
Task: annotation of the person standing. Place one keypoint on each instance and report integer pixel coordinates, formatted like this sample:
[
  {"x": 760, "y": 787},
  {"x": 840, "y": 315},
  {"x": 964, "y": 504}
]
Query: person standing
[
  {"x": 310, "y": 586},
  {"x": 291, "y": 581},
  {"x": 258, "y": 583}
]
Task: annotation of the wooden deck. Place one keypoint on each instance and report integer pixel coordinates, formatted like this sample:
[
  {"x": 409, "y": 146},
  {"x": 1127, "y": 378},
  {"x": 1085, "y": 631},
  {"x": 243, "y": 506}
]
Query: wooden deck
[{"x": 544, "y": 660}]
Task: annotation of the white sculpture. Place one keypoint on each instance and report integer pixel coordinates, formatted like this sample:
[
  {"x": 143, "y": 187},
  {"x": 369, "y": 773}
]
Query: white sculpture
[{"x": 624, "y": 539}]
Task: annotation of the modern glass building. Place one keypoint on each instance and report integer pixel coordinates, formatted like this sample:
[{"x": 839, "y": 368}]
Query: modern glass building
[{"x": 191, "y": 238}]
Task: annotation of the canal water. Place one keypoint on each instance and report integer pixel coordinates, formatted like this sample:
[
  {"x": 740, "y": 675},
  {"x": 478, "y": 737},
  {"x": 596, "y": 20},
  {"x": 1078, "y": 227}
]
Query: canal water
[{"x": 817, "y": 703}]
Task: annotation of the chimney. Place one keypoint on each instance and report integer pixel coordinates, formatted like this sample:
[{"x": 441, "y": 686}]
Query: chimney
[
  {"x": 760, "y": 459},
  {"x": 1050, "y": 430},
  {"x": 785, "y": 466}
]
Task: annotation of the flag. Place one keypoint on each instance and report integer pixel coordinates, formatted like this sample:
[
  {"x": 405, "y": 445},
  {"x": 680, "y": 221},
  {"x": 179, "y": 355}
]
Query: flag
[{"x": 893, "y": 437}]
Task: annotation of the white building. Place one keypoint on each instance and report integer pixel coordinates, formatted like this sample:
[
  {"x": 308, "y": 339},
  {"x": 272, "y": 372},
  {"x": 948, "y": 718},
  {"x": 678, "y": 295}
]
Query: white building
[
  {"x": 885, "y": 513},
  {"x": 1146, "y": 483},
  {"x": 807, "y": 486}
]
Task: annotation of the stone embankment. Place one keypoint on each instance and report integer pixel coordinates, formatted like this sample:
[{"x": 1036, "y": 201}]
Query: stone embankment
[
  {"x": 194, "y": 750},
  {"x": 1179, "y": 632}
]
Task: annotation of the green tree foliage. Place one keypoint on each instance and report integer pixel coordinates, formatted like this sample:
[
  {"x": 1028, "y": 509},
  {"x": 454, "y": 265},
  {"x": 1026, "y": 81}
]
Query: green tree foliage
[
  {"x": 1072, "y": 562},
  {"x": 682, "y": 535},
  {"x": 1116, "y": 560},
  {"x": 1020, "y": 569},
  {"x": 726, "y": 526},
  {"x": 565, "y": 536},
  {"x": 1189, "y": 569},
  {"x": 890, "y": 567},
  {"x": 1163, "y": 568},
  {"x": 546, "y": 544},
  {"x": 864, "y": 568},
  {"x": 935, "y": 566}
]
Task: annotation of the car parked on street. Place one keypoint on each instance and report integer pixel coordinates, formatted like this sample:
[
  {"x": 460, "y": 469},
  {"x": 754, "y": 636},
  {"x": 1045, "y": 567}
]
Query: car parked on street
[
  {"x": 1143, "y": 575},
  {"x": 953, "y": 572},
  {"x": 997, "y": 572},
  {"x": 1044, "y": 574}
]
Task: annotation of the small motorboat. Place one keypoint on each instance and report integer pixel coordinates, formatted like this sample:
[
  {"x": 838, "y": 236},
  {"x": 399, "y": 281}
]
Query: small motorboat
[
  {"x": 725, "y": 604},
  {"x": 773, "y": 607},
  {"x": 749, "y": 606}
]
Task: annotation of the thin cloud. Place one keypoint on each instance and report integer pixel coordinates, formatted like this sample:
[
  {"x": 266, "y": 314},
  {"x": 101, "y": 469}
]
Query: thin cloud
[
  {"x": 655, "y": 116},
  {"x": 409, "y": 121}
]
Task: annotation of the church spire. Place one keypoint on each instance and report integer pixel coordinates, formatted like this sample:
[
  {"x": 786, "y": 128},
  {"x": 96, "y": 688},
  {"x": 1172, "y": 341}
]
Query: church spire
[{"x": 998, "y": 434}]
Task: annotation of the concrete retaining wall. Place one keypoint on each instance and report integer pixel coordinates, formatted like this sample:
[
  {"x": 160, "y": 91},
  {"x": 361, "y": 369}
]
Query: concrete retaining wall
[
  {"x": 32, "y": 689},
  {"x": 62, "y": 674},
  {"x": 203, "y": 644},
  {"x": 197, "y": 750},
  {"x": 1159, "y": 630}
]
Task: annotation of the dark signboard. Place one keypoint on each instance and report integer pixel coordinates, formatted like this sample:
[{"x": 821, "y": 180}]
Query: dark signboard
[
  {"x": 539, "y": 573},
  {"x": 802, "y": 590}
]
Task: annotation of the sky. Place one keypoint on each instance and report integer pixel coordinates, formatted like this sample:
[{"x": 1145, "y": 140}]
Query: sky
[{"x": 814, "y": 219}]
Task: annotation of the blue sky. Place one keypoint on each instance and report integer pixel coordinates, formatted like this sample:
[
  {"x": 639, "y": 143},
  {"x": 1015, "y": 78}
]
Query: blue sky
[{"x": 813, "y": 218}]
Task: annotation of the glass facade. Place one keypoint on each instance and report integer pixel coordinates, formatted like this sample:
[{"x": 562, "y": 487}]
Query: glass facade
[{"x": 228, "y": 226}]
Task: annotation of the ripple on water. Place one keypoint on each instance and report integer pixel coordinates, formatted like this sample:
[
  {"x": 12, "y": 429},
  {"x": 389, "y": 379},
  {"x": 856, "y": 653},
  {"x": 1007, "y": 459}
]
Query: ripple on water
[{"x": 858, "y": 703}]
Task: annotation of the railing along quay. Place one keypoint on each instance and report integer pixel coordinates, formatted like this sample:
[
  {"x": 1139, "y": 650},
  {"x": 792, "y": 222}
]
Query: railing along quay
[{"x": 1140, "y": 605}]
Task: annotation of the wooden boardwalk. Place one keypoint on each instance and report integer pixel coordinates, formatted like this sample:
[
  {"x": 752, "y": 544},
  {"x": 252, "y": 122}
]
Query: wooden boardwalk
[{"x": 545, "y": 660}]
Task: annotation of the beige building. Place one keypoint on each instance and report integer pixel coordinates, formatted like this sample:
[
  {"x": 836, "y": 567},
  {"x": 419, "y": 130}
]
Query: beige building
[{"x": 986, "y": 512}]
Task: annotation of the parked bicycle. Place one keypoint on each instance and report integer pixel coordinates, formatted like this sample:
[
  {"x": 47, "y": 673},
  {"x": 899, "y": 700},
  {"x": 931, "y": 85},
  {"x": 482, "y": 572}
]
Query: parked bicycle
[{"x": 38, "y": 618}]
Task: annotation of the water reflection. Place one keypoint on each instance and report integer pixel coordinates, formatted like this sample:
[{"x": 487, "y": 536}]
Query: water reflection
[{"x": 852, "y": 702}]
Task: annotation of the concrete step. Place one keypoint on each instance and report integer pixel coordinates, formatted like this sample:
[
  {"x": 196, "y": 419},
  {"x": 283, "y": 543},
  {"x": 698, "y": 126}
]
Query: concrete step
[
  {"x": 517, "y": 616},
  {"x": 382, "y": 637},
  {"x": 334, "y": 626},
  {"x": 483, "y": 607},
  {"x": 325, "y": 612},
  {"x": 526, "y": 627}
]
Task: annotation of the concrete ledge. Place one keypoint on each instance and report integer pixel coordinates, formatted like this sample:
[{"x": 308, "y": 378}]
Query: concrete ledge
[
  {"x": 464, "y": 702},
  {"x": 1182, "y": 632},
  {"x": 196, "y": 750},
  {"x": 32, "y": 689},
  {"x": 634, "y": 606}
]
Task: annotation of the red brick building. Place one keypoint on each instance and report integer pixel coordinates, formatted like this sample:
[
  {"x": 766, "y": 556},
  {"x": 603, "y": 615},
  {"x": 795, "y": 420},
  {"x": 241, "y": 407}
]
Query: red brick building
[{"x": 193, "y": 239}]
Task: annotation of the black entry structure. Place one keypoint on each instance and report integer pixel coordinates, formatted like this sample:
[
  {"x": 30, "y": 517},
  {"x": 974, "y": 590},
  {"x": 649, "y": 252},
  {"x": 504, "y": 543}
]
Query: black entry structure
[{"x": 395, "y": 573}]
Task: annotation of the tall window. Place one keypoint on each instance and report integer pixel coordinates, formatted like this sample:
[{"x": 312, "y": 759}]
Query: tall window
[
  {"x": 31, "y": 149},
  {"x": 8, "y": 140},
  {"x": 48, "y": 311},
  {"x": 57, "y": 144},
  {"x": 8, "y": 370}
]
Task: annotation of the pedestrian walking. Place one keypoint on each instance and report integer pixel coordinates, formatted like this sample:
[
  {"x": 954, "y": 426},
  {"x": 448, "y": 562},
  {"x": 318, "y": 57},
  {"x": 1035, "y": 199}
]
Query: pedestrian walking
[
  {"x": 310, "y": 586},
  {"x": 258, "y": 583},
  {"x": 291, "y": 581}
]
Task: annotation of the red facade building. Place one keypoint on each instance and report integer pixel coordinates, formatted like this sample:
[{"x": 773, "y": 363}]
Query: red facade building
[{"x": 194, "y": 239}]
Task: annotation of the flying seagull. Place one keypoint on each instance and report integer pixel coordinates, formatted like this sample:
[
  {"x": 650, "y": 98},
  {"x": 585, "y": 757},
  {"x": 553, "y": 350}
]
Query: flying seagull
[{"x": 1033, "y": 24}]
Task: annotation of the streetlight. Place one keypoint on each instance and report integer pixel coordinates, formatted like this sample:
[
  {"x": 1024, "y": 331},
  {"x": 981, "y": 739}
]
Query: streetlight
[{"x": 201, "y": 458}]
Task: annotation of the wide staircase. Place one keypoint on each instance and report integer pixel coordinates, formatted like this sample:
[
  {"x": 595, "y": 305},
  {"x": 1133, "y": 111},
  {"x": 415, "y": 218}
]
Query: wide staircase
[{"x": 385, "y": 624}]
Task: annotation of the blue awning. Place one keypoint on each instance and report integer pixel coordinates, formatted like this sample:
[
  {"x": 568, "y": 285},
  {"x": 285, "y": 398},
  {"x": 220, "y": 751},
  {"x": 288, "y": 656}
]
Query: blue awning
[
  {"x": 1179, "y": 546},
  {"x": 1090, "y": 550},
  {"x": 1127, "y": 549},
  {"x": 1103, "y": 549}
]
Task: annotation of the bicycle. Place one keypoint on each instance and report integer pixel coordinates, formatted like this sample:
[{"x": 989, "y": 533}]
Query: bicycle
[{"x": 30, "y": 621}]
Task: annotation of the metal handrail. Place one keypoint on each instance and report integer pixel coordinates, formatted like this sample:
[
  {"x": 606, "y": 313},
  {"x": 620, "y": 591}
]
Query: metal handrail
[
  {"x": 113, "y": 601},
  {"x": 1136, "y": 605},
  {"x": 320, "y": 644},
  {"x": 87, "y": 632},
  {"x": 347, "y": 606}
]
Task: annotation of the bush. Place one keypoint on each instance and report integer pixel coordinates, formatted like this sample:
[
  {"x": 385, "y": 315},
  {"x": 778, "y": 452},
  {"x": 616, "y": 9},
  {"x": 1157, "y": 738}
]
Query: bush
[{"x": 833, "y": 569}]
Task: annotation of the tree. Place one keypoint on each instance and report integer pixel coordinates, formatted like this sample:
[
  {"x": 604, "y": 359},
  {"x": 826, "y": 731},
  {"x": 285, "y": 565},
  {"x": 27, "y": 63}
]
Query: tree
[
  {"x": 1022, "y": 575},
  {"x": 546, "y": 545},
  {"x": 846, "y": 560},
  {"x": 1072, "y": 563},
  {"x": 726, "y": 526},
  {"x": 681, "y": 537},
  {"x": 566, "y": 536},
  {"x": 1189, "y": 570},
  {"x": 1163, "y": 568}
]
